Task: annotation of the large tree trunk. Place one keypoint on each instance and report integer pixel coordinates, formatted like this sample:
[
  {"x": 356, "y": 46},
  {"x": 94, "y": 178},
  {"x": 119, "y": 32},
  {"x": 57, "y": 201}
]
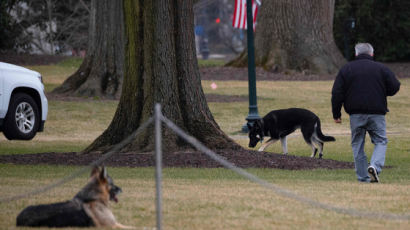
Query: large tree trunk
[
  {"x": 101, "y": 72},
  {"x": 161, "y": 66},
  {"x": 295, "y": 35}
]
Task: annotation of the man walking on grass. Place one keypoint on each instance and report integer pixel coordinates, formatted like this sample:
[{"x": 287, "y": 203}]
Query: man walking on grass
[{"x": 362, "y": 86}]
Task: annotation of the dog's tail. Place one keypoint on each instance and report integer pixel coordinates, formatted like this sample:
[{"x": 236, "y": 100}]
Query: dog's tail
[{"x": 320, "y": 134}]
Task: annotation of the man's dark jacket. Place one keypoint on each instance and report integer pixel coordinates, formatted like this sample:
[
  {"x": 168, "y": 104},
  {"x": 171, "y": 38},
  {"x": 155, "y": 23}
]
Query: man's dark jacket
[{"x": 362, "y": 86}]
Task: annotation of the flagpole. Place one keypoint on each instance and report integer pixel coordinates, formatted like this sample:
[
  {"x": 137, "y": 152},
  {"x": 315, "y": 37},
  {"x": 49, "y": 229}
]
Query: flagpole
[{"x": 253, "y": 107}]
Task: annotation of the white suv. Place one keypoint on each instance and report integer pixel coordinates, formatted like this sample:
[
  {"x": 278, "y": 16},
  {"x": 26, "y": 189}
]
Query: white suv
[{"x": 23, "y": 104}]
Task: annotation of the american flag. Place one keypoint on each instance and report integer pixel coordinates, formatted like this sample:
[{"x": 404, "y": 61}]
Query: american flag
[{"x": 239, "y": 14}]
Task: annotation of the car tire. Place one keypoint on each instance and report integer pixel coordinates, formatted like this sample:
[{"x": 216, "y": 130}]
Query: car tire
[{"x": 22, "y": 120}]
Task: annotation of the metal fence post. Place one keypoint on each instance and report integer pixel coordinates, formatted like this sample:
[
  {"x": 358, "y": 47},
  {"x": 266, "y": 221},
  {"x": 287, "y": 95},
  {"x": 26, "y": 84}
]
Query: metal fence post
[{"x": 158, "y": 168}]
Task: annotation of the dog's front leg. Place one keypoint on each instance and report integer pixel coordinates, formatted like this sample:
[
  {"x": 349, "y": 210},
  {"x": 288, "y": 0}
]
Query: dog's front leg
[
  {"x": 284, "y": 143},
  {"x": 100, "y": 214},
  {"x": 266, "y": 144}
]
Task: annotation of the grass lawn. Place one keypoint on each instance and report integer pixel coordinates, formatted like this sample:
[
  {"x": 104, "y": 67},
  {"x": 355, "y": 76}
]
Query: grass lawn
[{"x": 217, "y": 198}]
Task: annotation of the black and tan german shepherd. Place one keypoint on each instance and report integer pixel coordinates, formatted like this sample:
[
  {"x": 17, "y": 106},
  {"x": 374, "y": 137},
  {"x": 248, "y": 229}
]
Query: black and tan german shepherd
[
  {"x": 277, "y": 124},
  {"x": 89, "y": 208}
]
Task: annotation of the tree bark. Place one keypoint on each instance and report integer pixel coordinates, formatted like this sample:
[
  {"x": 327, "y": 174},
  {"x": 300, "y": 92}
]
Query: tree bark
[
  {"x": 295, "y": 35},
  {"x": 161, "y": 67},
  {"x": 101, "y": 72}
]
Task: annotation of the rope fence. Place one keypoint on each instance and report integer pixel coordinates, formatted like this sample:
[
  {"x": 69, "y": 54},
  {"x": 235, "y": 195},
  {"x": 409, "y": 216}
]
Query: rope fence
[{"x": 199, "y": 146}]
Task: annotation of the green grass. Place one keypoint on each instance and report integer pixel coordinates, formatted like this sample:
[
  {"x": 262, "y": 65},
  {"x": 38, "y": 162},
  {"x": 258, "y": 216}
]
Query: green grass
[
  {"x": 73, "y": 62},
  {"x": 54, "y": 75},
  {"x": 70, "y": 127},
  {"x": 218, "y": 198},
  {"x": 210, "y": 63}
]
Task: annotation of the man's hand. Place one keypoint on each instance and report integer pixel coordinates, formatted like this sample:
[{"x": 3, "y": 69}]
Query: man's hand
[{"x": 338, "y": 120}]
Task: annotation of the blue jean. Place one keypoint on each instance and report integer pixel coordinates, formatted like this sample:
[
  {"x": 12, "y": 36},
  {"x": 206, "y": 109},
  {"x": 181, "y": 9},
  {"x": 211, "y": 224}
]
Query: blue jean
[{"x": 375, "y": 125}]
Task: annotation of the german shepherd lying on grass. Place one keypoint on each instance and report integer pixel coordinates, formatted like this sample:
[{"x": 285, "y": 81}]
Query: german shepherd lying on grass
[
  {"x": 88, "y": 208},
  {"x": 279, "y": 123}
]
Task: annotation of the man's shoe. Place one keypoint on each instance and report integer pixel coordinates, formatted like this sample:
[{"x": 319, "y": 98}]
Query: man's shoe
[{"x": 374, "y": 178}]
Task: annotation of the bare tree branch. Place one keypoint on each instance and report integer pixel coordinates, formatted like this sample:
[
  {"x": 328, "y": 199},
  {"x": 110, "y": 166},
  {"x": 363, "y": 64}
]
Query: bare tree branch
[{"x": 85, "y": 6}]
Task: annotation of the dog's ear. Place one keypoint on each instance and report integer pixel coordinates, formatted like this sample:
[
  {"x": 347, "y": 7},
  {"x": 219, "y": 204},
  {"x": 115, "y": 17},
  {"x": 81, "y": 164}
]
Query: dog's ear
[
  {"x": 103, "y": 173},
  {"x": 95, "y": 171}
]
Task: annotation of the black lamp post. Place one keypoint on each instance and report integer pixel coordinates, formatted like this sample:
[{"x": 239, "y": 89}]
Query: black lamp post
[{"x": 253, "y": 107}]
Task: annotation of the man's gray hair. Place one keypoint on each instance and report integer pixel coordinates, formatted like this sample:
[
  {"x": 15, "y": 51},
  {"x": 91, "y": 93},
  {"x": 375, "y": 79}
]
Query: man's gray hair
[{"x": 363, "y": 48}]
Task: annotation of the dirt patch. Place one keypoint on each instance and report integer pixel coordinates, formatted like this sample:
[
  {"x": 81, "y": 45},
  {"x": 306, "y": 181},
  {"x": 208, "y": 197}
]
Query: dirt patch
[
  {"x": 225, "y": 98},
  {"x": 402, "y": 70},
  {"x": 209, "y": 98},
  {"x": 241, "y": 158},
  {"x": 241, "y": 74}
]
